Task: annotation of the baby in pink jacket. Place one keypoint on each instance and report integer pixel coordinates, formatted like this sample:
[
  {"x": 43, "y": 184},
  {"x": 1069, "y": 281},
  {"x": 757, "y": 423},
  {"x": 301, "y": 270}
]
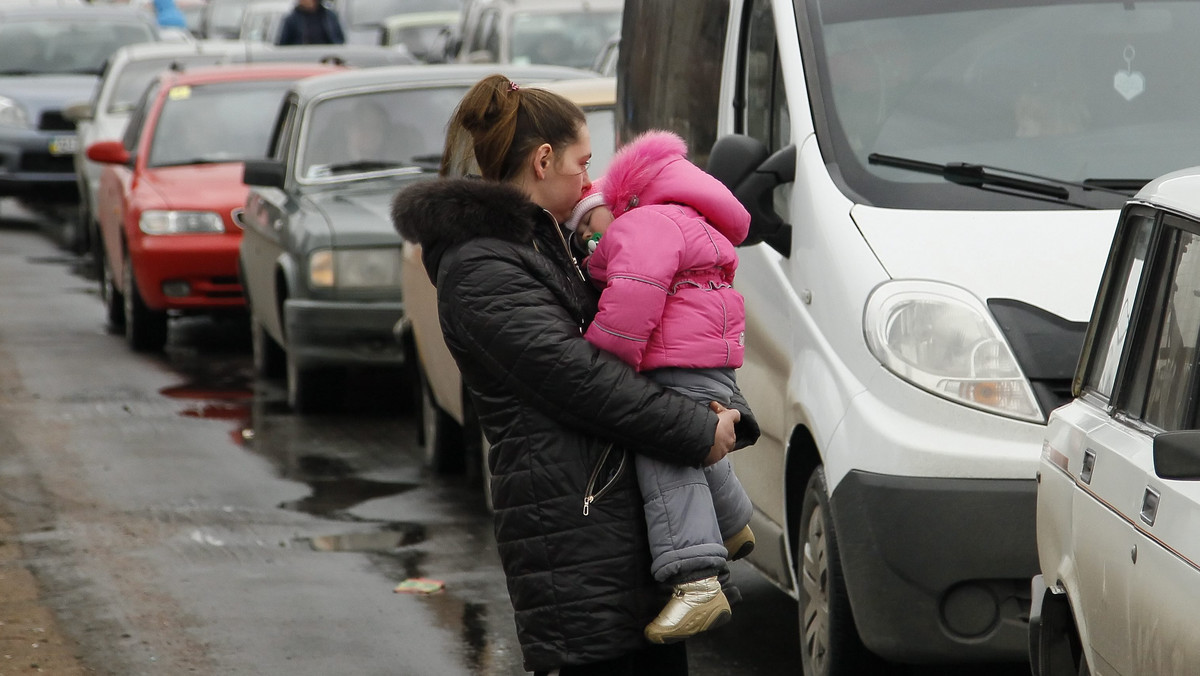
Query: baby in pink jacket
[{"x": 665, "y": 265}]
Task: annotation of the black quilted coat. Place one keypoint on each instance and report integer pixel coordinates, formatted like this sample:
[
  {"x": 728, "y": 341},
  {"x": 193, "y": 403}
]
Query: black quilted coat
[{"x": 560, "y": 416}]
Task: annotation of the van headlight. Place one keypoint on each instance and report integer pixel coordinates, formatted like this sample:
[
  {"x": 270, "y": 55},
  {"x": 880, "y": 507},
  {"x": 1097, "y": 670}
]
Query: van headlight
[
  {"x": 355, "y": 268},
  {"x": 155, "y": 222},
  {"x": 942, "y": 339}
]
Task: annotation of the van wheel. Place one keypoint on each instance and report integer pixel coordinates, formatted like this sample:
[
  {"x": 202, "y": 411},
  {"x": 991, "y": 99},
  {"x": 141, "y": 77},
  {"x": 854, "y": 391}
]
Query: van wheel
[
  {"x": 829, "y": 641},
  {"x": 145, "y": 329},
  {"x": 441, "y": 436}
]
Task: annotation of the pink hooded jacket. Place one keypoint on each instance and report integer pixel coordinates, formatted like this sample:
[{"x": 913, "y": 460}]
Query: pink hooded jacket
[{"x": 666, "y": 264}]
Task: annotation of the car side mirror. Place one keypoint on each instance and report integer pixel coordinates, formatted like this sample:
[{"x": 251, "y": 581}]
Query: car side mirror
[
  {"x": 742, "y": 164},
  {"x": 108, "y": 152},
  {"x": 1177, "y": 455},
  {"x": 264, "y": 173},
  {"x": 78, "y": 112}
]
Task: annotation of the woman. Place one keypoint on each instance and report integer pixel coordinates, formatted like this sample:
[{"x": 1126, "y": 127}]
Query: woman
[{"x": 560, "y": 414}]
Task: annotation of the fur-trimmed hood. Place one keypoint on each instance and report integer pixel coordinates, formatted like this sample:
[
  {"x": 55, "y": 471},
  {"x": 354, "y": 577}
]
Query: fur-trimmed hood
[
  {"x": 443, "y": 213},
  {"x": 653, "y": 169}
]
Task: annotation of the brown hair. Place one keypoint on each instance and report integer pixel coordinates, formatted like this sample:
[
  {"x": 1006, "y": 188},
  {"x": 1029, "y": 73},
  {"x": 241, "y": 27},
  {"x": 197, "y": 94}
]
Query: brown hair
[{"x": 498, "y": 124}]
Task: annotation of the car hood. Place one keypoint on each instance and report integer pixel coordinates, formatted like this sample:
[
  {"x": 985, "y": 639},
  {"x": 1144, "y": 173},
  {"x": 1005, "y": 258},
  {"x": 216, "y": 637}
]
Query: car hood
[
  {"x": 359, "y": 216},
  {"x": 1050, "y": 259},
  {"x": 47, "y": 92},
  {"x": 209, "y": 187}
]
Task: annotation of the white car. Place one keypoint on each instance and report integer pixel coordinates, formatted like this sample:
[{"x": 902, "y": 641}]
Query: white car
[{"x": 1119, "y": 481}]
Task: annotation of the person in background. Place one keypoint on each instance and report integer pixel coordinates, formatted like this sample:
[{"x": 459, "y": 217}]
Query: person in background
[
  {"x": 311, "y": 22},
  {"x": 168, "y": 15},
  {"x": 562, "y": 416}
]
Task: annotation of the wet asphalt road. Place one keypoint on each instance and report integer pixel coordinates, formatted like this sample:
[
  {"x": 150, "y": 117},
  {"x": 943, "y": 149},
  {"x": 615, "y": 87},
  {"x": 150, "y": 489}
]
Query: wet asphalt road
[{"x": 185, "y": 521}]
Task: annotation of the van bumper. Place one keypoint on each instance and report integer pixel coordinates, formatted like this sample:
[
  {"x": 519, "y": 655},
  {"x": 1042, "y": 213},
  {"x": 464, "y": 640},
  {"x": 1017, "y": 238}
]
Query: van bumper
[{"x": 938, "y": 569}]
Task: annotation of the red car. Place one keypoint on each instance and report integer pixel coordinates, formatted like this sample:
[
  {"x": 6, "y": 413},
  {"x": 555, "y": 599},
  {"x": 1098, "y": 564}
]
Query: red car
[{"x": 169, "y": 191}]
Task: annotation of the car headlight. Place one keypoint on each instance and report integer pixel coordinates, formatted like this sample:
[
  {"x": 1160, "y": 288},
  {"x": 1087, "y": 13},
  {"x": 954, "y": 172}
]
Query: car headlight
[
  {"x": 12, "y": 114},
  {"x": 355, "y": 268},
  {"x": 180, "y": 222},
  {"x": 942, "y": 339}
]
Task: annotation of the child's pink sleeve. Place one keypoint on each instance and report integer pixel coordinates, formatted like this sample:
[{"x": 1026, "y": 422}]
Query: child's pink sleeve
[{"x": 637, "y": 260}]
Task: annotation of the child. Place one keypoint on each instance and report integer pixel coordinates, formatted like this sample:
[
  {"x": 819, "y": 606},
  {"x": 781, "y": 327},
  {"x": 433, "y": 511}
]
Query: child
[{"x": 665, "y": 264}]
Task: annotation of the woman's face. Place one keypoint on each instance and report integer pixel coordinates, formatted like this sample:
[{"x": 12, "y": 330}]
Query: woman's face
[{"x": 566, "y": 178}]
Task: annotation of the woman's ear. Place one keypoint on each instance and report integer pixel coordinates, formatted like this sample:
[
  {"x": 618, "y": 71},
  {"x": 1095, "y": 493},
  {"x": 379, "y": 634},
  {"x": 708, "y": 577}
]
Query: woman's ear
[{"x": 542, "y": 158}]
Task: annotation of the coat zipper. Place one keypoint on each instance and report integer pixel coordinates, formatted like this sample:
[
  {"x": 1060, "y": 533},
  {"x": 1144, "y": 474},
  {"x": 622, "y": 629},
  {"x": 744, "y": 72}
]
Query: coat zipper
[{"x": 591, "y": 495}]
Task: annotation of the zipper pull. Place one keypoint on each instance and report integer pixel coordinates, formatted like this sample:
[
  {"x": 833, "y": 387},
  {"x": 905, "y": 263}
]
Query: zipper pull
[{"x": 586, "y": 502}]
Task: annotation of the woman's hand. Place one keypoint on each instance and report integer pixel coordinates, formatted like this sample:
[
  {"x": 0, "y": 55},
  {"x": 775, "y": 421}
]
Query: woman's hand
[{"x": 725, "y": 437}]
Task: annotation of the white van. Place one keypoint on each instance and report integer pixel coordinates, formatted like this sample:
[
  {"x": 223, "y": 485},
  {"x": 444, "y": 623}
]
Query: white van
[{"x": 934, "y": 187}]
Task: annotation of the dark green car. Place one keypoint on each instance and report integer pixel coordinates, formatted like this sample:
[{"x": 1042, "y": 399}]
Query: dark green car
[{"x": 320, "y": 259}]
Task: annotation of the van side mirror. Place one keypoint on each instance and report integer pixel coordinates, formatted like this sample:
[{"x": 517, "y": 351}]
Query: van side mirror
[
  {"x": 78, "y": 112},
  {"x": 742, "y": 164},
  {"x": 1177, "y": 455},
  {"x": 264, "y": 173}
]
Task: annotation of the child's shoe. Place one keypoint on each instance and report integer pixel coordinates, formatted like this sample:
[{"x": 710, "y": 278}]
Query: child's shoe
[
  {"x": 694, "y": 607},
  {"x": 740, "y": 544}
]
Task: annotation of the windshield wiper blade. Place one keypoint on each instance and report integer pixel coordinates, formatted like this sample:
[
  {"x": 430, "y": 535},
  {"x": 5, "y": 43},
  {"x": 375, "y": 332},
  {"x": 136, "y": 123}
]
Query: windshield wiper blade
[
  {"x": 1125, "y": 186},
  {"x": 979, "y": 176},
  {"x": 363, "y": 165}
]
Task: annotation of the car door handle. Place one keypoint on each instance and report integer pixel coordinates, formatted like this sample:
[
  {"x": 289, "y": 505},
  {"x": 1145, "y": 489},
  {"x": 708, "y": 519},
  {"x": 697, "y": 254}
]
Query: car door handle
[{"x": 1149, "y": 506}]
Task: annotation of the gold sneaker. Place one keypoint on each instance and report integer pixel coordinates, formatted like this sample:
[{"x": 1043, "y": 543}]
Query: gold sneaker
[
  {"x": 694, "y": 607},
  {"x": 740, "y": 544}
]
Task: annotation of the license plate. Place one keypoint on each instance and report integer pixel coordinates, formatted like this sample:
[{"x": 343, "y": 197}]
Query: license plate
[{"x": 64, "y": 145}]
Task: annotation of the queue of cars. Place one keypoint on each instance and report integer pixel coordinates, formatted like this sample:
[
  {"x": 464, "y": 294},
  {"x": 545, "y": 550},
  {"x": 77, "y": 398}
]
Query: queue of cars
[{"x": 171, "y": 188}]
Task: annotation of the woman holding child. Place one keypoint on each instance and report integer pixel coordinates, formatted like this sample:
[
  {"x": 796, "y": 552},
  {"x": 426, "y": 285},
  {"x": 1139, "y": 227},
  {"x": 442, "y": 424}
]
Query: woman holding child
[{"x": 562, "y": 416}]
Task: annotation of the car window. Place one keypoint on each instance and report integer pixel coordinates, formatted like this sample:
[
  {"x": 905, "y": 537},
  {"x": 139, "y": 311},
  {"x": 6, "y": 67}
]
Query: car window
[
  {"x": 244, "y": 112},
  {"x": 563, "y": 38},
  {"x": 137, "y": 120},
  {"x": 283, "y": 131},
  {"x": 1119, "y": 291},
  {"x": 377, "y": 131},
  {"x": 58, "y": 46},
  {"x": 134, "y": 77},
  {"x": 1171, "y": 396},
  {"x": 765, "y": 109}
]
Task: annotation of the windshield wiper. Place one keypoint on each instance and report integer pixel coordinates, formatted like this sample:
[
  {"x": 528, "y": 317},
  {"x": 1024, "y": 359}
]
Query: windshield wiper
[
  {"x": 989, "y": 178},
  {"x": 363, "y": 165}
]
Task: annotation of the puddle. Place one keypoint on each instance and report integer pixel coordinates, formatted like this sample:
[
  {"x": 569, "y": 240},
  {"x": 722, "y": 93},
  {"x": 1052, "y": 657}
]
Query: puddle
[
  {"x": 331, "y": 498},
  {"x": 389, "y": 539}
]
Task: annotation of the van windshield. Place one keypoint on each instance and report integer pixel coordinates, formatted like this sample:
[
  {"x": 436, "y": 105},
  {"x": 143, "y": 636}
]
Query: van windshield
[{"x": 1101, "y": 91}]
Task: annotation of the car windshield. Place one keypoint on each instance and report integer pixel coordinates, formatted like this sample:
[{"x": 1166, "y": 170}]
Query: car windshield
[
  {"x": 1101, "y": 91},
  {"x": 136, "y": 76},
  {"x": 373, "y": 12},
  {"x": 224, "y": 122},
  {"x": 46, "y": 46},
  {"x": 377, "y": 131},
  {"x": 562, "y": 39},
  {"x": 226, "y": 15}
]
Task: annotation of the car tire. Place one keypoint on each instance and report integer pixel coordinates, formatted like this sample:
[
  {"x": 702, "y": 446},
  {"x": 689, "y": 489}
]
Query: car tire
[
  {"x": 829, "y": 641},
  {"x": 270, "y": 361},
  {"x": 145, "y": 329},
  {"x": 441, "y": 436},
  {"x": 114, "y": 301},
  {"x": 313, "y": 389}
]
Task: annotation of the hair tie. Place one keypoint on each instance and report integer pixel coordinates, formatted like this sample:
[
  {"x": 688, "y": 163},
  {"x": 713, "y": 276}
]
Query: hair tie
[{"x": 514, "y": 86}]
